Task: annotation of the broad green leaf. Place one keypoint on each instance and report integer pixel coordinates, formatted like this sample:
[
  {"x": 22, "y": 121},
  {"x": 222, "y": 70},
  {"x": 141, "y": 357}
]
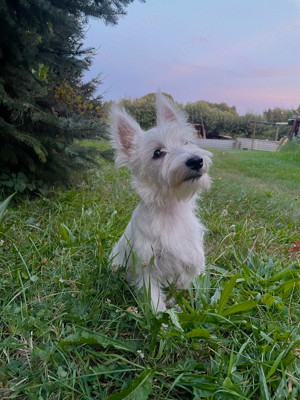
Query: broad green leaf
[
  {"x": 139, "y": 389},
  {"x": 215, "y": 297},
  {"x": 282, "y": 274},
  {"x": 9, "y": 183},
  {"x": 194, "y": 317},
  {"x": 19, "y": 187},
  {"x": 61, "y": 372},
  {"x": 22, "y": 176},
  {"x": 45, "y": 355},
  {"x": 85, "y": 337},
  {"x": 65, "y": 233},
  {"x": 246, "y": 305},
  {"x": 202, "y": 333},
  {"x": 4, "y": 205},
  {"x": 286, "y": 287},
  {"x": 227, "y": 292},
  {"x": 174, "y": 318},
  {"x": 227, "y": 383},
  {"x": 230, "y": 392},
  {"x": 268, "y": 299}
]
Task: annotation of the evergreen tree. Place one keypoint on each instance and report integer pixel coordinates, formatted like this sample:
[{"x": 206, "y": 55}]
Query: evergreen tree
[{"x": 43, "y": 103}]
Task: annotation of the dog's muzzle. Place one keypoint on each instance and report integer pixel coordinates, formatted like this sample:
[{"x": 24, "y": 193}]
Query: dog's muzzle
[{"x": 195, "y": 163}]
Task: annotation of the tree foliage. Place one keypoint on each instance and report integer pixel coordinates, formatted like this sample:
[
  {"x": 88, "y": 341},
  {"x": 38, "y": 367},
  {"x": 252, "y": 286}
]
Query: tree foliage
[
  {"x": 143, "y": 109},
  {"x": 44, "y": 105},
  {"x": 218, "y": 118}
]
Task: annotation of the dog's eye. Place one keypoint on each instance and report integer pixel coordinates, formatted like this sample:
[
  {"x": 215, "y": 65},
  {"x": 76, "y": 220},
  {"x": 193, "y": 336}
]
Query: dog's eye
[
  {"x": 188, "y": 142},
  {"x": 157, "y": 153}
]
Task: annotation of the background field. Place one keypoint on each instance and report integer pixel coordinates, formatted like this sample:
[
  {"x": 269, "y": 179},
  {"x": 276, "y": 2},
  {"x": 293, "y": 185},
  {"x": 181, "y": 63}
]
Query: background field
[{"x": 72, "y": 329}]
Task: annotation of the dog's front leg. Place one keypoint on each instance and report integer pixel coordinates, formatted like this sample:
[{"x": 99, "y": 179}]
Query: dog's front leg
[{"x": 158, "y": 298}]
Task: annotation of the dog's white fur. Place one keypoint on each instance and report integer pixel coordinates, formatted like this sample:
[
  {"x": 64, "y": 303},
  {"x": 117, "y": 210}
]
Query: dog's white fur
[{"x": 163, "y": 232}]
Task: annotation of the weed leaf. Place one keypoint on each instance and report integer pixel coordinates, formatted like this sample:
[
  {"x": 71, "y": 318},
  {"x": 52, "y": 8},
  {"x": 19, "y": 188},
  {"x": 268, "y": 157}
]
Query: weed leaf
[
  {"x": 244, "y": 306},
  {"x": 139, "y": 389},
  {"x": 227, "y": 292},
  {"x": 201, "y": 333},
  {"x": 174, "y": 318},
  {"x": 84, "y": 337},
  {"x": 268, "y": 300}
]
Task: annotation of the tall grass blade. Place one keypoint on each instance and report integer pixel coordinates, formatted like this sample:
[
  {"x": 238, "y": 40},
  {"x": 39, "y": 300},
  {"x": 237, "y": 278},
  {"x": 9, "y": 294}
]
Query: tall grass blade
[
  {"x": 263, "y": 384},
  {"x": 275, "y": 365}
]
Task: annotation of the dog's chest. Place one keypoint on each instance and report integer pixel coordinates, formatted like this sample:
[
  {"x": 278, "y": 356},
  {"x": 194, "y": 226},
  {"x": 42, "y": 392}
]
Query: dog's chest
[
  {"x": 172, "y": 233},
  {"x": 172, "y": 225}
]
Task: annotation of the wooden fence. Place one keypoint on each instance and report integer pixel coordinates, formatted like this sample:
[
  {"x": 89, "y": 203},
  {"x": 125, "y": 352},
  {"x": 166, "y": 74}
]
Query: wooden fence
[
  {"x": 258, "y": 144},
  {"x": 223, "y": 144},
  {"x": 240, "y": 144}
]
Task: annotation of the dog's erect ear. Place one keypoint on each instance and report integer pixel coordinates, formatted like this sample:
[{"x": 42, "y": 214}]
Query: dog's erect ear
[
  {"x": 167, "y": 111},
  {"x": 124, "y": 131}
]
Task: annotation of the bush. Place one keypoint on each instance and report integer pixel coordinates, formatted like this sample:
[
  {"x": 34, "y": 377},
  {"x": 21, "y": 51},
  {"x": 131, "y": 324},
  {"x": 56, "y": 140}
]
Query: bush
[{"x": 44, "y": 105}]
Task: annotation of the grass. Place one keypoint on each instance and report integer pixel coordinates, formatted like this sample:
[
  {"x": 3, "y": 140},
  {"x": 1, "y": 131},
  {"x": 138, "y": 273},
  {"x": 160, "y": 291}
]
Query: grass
[
  {"x": 70, "y": 328},
  {"x": 277, "y": 171}
]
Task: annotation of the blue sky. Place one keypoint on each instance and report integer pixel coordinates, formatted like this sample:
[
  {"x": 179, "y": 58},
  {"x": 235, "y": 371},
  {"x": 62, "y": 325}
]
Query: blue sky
[{"x": 243, "y": 52}]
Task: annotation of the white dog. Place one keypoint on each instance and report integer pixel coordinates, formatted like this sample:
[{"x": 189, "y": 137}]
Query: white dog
[{"x": 168, "y": 169}]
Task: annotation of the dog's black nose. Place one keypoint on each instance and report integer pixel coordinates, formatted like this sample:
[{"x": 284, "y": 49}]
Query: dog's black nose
[{"x": 195, "y": 163}]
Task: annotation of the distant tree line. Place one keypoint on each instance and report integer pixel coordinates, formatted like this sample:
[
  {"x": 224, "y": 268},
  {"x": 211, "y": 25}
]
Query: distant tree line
[
  {"x": 218, "y": 118},
  {"x": 44, "y": 104}
]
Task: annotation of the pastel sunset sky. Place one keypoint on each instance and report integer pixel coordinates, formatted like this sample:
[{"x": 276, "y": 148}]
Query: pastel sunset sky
[{"x": 243, "y": 52}]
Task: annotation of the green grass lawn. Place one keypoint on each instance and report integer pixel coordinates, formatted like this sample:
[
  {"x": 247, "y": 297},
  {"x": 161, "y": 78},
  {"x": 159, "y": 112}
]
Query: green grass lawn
[
  {"x": 72, "y": 329},
  {"x": 278, "y": 172}
]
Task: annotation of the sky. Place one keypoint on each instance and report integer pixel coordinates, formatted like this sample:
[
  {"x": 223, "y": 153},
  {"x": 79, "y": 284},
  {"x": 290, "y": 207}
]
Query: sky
[{"x": 242, "y": 52}]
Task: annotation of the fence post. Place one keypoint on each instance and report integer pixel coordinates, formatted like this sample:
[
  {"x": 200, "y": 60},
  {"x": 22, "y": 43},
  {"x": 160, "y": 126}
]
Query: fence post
[
  {"x": 253, "y": 135},
  {"x": 277, "y": 130}
]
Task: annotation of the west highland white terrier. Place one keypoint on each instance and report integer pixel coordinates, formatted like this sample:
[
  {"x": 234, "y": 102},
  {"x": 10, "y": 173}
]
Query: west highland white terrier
[{"x": 168, "y": 170}]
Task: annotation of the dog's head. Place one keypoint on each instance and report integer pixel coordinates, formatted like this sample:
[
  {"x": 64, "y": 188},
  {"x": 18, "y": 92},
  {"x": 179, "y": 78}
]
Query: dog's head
[{"x": 166, "y": 162}]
